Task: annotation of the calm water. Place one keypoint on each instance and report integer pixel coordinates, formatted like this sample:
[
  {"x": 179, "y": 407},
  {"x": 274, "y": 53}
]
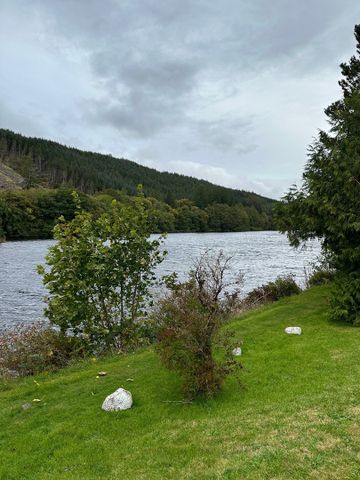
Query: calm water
[{"x": 261, "y": 256}]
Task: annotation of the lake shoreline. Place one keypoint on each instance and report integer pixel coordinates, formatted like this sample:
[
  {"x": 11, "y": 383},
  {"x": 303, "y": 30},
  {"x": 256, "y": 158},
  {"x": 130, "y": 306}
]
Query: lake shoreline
[
  {"x": 11, "y": 240},
  {"x": 261, "y": 256}
]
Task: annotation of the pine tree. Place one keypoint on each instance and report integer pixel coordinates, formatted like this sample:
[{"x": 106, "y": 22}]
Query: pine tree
[{"x": 327, "y": 206}]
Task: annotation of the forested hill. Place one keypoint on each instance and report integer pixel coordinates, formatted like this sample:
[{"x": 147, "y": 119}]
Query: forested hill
[{"x": 49, "y": 164}]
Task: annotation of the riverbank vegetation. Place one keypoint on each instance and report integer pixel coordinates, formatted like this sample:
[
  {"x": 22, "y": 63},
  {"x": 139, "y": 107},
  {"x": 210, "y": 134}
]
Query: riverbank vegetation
[
  {"x": 32, "y": 213},
  {"x": 296, "y": 414},
  {"x": 188, "y": 323},
  {"x": 34, "y": 348},
  {"x": 37, "y": 177},
  {"x": 100, "y": 273}
]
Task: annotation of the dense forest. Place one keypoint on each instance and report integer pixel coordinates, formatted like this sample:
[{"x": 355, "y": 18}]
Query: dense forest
[
  {"x": 37, "y": 177},
  {"x": 32, "y": 213}
]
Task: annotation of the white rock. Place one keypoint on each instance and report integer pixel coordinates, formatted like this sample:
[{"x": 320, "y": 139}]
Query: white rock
[
  {"x": 121, "y": 399},
  {"x": 293, "y": 330},
  {"x": 237, "y": 352}
]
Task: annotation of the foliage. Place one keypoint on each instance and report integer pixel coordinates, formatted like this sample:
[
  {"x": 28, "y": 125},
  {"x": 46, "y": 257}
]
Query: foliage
[
  {"x": 226, "y": 218},
  {"x": 188, "y": 324},
  {"x": 321, "y": 271},
  {"x": 345, "y": 299},
  {"x": 30, "y": 349},
  {"x": 189, "y": 218},
  {"x": 270, "y": 292},
  {"x": 319, "y": 277},
  {"x": 32, "y": 213},
  {"x": 101, "y": 270},
  {"x": 327, "y": 205},
  {"x": 49, "y": 164}
]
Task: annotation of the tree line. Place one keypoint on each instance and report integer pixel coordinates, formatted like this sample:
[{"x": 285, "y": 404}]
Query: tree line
[{"x": 32, "y": 213}]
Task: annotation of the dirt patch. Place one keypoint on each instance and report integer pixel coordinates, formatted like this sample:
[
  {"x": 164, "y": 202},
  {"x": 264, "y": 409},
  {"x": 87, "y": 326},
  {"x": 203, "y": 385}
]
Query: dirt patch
[
  {"x": 328, "y": 442},
  {"x": 354, "y": 430}
]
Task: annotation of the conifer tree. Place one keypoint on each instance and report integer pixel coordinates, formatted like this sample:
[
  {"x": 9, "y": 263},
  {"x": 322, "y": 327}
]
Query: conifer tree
[{"x": 327, "y": 205}]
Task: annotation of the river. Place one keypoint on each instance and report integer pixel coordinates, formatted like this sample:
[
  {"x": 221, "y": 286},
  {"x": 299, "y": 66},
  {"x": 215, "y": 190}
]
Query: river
[{"x": 261, "y": 256}]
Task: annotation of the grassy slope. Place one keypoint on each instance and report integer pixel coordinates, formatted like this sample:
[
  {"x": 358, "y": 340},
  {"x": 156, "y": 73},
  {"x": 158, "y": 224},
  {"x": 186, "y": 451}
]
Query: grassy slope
[{"x": 297, "y": 417}]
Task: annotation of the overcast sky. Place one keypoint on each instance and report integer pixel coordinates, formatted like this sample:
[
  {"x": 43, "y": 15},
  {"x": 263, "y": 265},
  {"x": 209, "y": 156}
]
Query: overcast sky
[{"x": 232, "y": 91}]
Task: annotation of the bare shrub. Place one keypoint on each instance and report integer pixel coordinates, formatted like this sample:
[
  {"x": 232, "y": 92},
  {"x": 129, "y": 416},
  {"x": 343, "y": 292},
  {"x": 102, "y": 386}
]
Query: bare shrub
[
  {"x": 188, "y": 321},
  {"x": 30, "y": 349}
]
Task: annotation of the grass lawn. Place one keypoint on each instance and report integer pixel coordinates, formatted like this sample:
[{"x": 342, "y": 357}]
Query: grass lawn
[{"x": 297, "y": 415}]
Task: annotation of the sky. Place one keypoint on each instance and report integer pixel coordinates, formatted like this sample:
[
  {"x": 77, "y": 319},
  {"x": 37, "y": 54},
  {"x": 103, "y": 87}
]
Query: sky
[{"x": 232, "y": 91}]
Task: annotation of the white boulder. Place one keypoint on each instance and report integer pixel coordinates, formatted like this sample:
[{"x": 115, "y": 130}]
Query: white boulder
[
  {"x": 293, "y": 330},
  {"x": 121, "y": 399},
  {"x": 237, "y": 352}
]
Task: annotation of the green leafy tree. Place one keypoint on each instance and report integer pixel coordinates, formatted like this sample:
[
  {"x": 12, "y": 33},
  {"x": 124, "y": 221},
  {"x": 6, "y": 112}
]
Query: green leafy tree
[
  {"x": 161, "y": 215},
  {"x": 100, "y": 273},
  {"x": 32, "y": 213},
  {"x": 225, "y": 218},
  {"x": 327, "y": 205},
  {"x": 189, "y": 218}
]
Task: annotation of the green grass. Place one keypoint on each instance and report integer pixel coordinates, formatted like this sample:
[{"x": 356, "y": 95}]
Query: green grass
[{"x": 297, "y": 415}]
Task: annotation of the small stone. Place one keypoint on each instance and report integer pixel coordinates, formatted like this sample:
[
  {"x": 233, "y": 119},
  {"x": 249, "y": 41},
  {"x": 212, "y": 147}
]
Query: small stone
[
  {"x": 293, "y": 330},
  {"x": 237, "y": 352},
  {"x": 121, "y": 399}
]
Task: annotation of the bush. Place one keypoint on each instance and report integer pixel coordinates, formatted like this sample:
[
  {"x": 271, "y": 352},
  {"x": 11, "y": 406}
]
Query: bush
[
  {"x": 100, "y": 274},
  {"x": 323, "y": 271},
  {"x": 320, "y": 277},
  {"x": 188, "y": 325},
  {"x": 30, "y": 349},
  {"x": 345, "y": 299},
  {"x": 272, "y": 291}
]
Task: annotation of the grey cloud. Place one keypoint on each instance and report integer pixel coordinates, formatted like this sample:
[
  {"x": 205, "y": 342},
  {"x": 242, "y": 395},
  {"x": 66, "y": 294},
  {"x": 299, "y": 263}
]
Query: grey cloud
[
  {"x": 138, "y": 116},
  {"x": 192, "y": 80},
  {"x": 143, "y": 95},
  {"x": 17, "y": 120},
  {"x": 150, "y": 56},
  {"x": 227, "y": 134}
]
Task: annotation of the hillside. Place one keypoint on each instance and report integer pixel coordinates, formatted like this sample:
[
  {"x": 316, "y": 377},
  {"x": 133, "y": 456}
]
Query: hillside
[
  {"x": 10, "y": 179},
  {"x": 49, "y": 164},
  {"x": 295, "y": 417}
]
